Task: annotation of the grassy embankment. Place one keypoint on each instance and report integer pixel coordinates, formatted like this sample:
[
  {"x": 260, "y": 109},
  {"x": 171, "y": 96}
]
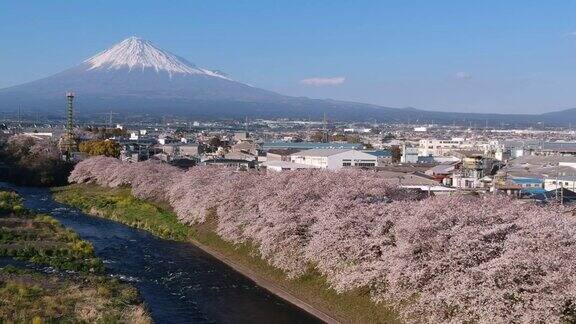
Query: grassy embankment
[
  {"x": 83, "y": 295},
  {"x": 118, "y": 204}
]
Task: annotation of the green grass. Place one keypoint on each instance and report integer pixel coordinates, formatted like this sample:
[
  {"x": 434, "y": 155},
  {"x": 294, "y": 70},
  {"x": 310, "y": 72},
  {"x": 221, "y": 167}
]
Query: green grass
[
  {"x": 120, "y": 205},
  {"x": 32, "y": 297},
  {"x": 10, "y": 203},
  {"x": 42, "y": 239}
]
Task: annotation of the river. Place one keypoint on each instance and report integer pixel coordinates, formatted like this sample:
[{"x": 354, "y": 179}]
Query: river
[{"x": 179, "y": 282}]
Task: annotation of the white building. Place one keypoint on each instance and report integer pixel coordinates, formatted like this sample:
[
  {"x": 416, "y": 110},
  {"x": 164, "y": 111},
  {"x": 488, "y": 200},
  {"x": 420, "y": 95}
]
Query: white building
[
  {"x": 436, "y": 190},
  {"x": 44, "y": 135},
  {"x": 357, "y": 130},
  {"x": 516, "y": 153},
  {"x": 334, "y": 159},
  {"x": 567, "y": 164},
  {"x": 278, "y": 166},
  {"x": 553, "y": 183},
  {"x": 409, "y": 154},
  {"x": 436, "y": 147}
]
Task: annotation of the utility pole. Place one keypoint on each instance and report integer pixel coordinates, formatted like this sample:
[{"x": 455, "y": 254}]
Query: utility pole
[
  {"x": 325, "y": 130},
  {"x": 110, "y": 114},
  {"x": 557, "y": 175}
]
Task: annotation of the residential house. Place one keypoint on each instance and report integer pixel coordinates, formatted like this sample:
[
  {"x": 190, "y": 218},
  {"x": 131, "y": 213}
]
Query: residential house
[{"x": 441, "y": 171}]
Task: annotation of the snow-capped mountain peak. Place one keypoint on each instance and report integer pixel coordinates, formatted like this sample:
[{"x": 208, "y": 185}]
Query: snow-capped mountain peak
[{"x": 137, "y": 53}]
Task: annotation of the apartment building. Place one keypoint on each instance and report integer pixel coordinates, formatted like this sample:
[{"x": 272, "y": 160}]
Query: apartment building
[{"x": 438, "y": 147}]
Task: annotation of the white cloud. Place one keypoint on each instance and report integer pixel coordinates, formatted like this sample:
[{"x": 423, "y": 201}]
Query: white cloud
[
  {"x": 320, "y": 82},
  {"x": 463, "y": 76}
]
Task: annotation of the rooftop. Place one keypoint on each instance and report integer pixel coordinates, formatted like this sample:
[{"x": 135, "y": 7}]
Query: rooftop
[
  {"x": 283, "y": 151},
  {"x": 285, "y": 164},
  {"x": 321, "y": 152},
  {"x": 542, "y": 160},
  {"x": 310, "y": 145}
]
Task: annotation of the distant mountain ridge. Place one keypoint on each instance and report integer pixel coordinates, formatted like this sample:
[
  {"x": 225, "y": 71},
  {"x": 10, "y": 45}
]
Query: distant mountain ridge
[{"x": 137, "y": 76}]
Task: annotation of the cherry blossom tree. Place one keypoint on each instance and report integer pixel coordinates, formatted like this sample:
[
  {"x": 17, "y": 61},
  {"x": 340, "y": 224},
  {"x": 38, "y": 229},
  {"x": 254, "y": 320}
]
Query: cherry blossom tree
[{"x": 457, "y": 258}]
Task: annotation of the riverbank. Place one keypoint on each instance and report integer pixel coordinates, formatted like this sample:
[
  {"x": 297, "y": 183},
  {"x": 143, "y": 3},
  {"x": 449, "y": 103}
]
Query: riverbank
[
  {"x": 310, "y": 292},
  {"x": 74, "y": 289}
]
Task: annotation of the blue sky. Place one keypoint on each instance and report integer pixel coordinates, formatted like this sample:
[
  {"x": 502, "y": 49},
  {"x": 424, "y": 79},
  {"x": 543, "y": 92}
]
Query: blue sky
[{"x": 491, "y": 56}]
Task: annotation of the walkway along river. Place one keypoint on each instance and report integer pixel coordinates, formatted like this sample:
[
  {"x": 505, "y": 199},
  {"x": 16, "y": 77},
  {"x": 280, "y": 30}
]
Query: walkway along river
[{"x": 179, "y": 282}]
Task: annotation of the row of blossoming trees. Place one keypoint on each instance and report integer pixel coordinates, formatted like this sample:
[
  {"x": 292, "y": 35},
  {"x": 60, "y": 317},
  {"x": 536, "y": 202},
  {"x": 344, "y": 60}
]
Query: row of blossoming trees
[{"x": 450, "y": 258}]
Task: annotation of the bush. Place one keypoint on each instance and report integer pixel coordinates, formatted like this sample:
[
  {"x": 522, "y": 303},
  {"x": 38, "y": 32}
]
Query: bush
[
  {"x": 11, "y": 203},
  {"x": 109, "y": 148}
]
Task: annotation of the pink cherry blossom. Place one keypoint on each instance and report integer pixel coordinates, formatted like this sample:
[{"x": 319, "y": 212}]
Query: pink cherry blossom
[{"x": 458, "y": 258}]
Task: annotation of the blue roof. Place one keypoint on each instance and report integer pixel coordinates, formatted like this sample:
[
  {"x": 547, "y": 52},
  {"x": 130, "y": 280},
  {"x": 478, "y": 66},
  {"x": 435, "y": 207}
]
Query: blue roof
[
  {"x": 533, "y": 191},
  {"x": 380, "y": 153},
  {"x": 310, "y": 145},
  {"x": 527, "y": 180}
]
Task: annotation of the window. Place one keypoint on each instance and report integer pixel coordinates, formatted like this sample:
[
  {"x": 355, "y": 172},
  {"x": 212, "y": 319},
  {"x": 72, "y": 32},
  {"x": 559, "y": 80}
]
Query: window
[
  {"x": 346, "y": 164},
  {"x": 366, "y": 164}
]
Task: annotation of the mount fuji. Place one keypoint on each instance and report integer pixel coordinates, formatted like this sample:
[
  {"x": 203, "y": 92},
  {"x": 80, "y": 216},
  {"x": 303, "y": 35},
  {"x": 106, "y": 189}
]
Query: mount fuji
[{"x": 136, "y": 77}]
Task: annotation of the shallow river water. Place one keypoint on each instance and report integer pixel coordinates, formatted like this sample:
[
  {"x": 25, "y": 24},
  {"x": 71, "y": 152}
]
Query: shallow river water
[{"x": 179, "y": 282}]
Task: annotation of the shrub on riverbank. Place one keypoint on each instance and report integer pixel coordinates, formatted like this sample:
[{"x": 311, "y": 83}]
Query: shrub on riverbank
[
  {"x": 10, "y": 203},
  {"x": 32, "y": 297},
  {"x": 42, "y": 239},
  {"x": 454, "y": 258}
]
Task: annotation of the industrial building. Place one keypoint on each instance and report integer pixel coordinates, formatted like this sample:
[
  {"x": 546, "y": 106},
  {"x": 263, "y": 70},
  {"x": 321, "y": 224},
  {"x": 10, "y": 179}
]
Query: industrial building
[{"x": 334, "y": 159}]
